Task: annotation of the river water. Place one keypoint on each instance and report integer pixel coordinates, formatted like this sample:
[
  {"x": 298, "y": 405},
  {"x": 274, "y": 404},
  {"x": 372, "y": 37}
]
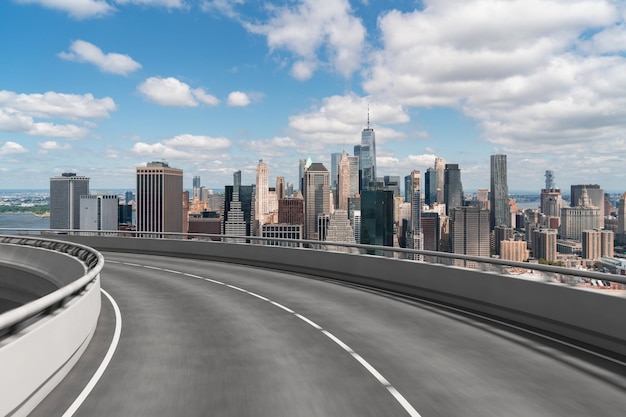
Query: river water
[{"x": 23, "y": 220}]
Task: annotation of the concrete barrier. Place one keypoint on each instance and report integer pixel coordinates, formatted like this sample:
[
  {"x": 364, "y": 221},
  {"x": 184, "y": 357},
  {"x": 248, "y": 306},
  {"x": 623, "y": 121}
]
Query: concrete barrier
[
  {"x": 42, "y": 340},
  {"x": 587, "y": 317}
]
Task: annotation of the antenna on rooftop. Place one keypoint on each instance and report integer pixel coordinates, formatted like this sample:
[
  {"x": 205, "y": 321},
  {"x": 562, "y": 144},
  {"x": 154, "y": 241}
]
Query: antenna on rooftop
[{"x": 368, "y": 116}]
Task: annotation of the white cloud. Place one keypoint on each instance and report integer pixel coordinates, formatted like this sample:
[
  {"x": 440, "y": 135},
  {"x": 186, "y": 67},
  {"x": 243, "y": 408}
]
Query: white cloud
[
  {"x": 527, "y": 78},
  {"x": 51, "y": 104},
  {"x": 279, "y": 146},
  {"x": 45, "y": 147},
  {"x": 12, "y": 148},
  {"x": 312, "y": 28},
  {"x": 340, "y": 120},
  {"x": 225, "y": 7},
  {"x": 238, "y": 99},
  {"x": 172, "y": 92},
  {"x": 78, "y": 9},
  {"x": 14, "y": 121},
  {"x": 170, "y": 4},
  {"x": 82, "y": 51},
  {"x": 189, "y": 148}
]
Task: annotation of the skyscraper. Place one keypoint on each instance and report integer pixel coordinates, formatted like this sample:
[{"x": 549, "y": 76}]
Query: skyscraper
[
  {"x": 621, "y": 215},
  {"x": 196, "y": 188},
  {"x": 500, "y": 212},
  {"x": 280, "y": 188},
  {"x": 415, "y": 236},
  {"x": 354, "y": 175},
  {"x": 550, "y": 184},
  {"x": 453, "y": 188},
  {"x": 430, "y": 187},
  {"x": 65, "y": 193},
  {"x": 596, "y": 195},
  {"x": 367, "y": 156},
  {"x": 340, "y": 230},
  {"x": 334, "y": 169},
  {"x": 470, "y": 232},
  {"x": 439, "y": 169},
  {"x": 584, "y": 216},
  {"x": 343, "y": 184},
  {"x": 99, "y": 212},
  {"x": 316, "y": 197},
  {"x": 376, "y": 217},
  {"x": 261, "y": 201},
  {"x": 159, "y": 193}
]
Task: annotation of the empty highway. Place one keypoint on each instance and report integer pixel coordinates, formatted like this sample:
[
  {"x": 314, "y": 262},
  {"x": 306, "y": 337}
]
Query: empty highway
[{"x": 201, "y": 338}]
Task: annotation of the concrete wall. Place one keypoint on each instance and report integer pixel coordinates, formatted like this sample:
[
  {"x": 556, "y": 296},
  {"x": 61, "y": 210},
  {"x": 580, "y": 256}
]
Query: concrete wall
[
  {"x": 590, "y": 317},
  {"x": 38, "y": 356}
]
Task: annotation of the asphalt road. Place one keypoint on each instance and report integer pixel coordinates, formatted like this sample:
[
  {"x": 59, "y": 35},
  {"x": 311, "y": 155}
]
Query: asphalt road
[{"x": 279, "y": 344}]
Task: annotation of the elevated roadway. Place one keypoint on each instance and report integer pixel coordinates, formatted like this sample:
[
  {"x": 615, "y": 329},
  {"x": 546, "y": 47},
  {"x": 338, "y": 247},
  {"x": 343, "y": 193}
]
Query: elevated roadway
[{"x": 202, "y": 338}]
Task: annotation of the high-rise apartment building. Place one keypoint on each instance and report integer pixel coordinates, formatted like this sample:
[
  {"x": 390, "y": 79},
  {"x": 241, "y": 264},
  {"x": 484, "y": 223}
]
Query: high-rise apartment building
[
  {"x": 621, "y": 215},
  {"x": 65, "y": 193},
  {"x": 513, "y": 250},
  {"x": 99, "y": 212},
  {"x": 159, "y": 193},
  {"x": 261, "y": 200},
  {"x": 592, "y": 248},
  {"x": 316, "y": 198},
  {"x": 415, "y": 237},
  {"x": 469, "y": 232},
  {"x": 343, "y": 183},
  {"x": 501, "y": 233},
  {"x": 291, "y": 211},
  {"x": 453, "y": 188},
  {"x": 500, "y": 212},
  {"x": 607, "y": 242},
  {"x": 439, "y": 169}
]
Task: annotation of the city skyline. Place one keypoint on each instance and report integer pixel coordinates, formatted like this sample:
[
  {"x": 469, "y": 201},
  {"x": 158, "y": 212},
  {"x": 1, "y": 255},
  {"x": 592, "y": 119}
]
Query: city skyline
[{"x": 103, "y": 94}]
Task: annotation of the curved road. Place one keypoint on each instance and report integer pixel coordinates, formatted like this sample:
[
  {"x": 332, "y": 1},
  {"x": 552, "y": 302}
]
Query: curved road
[{"x": 211, "y": 339}]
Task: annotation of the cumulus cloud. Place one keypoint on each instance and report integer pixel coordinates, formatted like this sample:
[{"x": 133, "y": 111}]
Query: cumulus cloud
[
  {"x": 238, "y": 99},
  {"x": 78, "y": 9},
  {"x": 173, "y": 92},
  {"x": 12, "y": 148},
  {"x": 532, "y": 81},
  {"x": 82, "y": 51},
  {"x": 51, "y": 145},
  {"x": 185, "y": 147},
  {"x": 340, "y": 120},
  {"x": 18, "y": 113},
  {"x": 279, "y": 146},
  {"x": 314, "y": 28}
]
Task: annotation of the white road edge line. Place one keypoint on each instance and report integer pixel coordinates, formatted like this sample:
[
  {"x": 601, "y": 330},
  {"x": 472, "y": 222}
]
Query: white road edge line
[
  {"x": 288, "y": 310},
  {"x": 105, "y": 362},
  {"x": 258, "y": 296},
  {"x": 312, "y": 323},
  {"x": 403, "y": 402},
  {"x": 371, "y": 369},
  {"x": 339, "y": 342}
]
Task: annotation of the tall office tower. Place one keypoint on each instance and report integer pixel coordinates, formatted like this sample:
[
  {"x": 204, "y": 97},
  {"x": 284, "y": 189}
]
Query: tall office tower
[
  {"x": 245, "y": 197},
  {"x": 261, "y": 200},
  {"x": 291, "y": 211},
  {"x": 289, "y": 190},
  {"x": 334, "y": 169},
  {"x": 407, "y": 188},
  {"x": 596, "y": 195},
  {"x": 607, "y": 242},
  {"x": 99, "y": 212},
  {"x": 129, "y": 196},
  {"x": 323, "y": 220},
  {"x": 621, "y": 215},
  {"x": 415, "y": 236},
  {"x": 343, "y": 183},
  {"x": 340, "y": 230},
  {"x": 584, "y": 216},
  {"x": 65, "y": 193},
  {"x": 608, "y": 207},
  {"x": 440, "y": 168},
  {"x": 544, "y": 244},
  {"x": 236, "y": 181},
  {"x": 453, "y": 188},
  {"x": 367, "y": 156},
  {"x": 301, "y": 168},
  {"x": 430, "y": 187},
  {"x": 592, "y": 248},
  {"x": 159, "y": 191},
  {"x": 482, "y": 198},
  {"x": 392, "y": 183},
  {"x": 551, "y": 202},
  {"x": 280, "y": 188},
  {"x": 431, "y": 230},
  {"x": 236, "y": 224},
  {"x": 502, "y": 233},
  {"x": 500, "y": 214},
  {"x": 354, "y": 176},
  {"x": 470, "y": 233},
  {"x": 316, "y": 197},
  {"x": 514, "y": 250},
  {"x": 550, "y": 183},
  {"x": 196, "y": 188},
  {"x": 377, "y": 217}
]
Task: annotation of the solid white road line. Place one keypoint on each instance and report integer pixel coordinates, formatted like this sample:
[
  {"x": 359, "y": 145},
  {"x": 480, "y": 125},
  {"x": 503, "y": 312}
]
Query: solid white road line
[{"x": 105, "y": 362}]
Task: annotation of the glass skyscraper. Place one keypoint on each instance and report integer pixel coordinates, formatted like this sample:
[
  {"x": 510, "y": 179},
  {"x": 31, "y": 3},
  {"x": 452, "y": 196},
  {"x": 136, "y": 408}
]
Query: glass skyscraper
[
  {"x": 453, "y": 188},
  {"x": 500, "y": 212},
  {"x": 65, "y": 193}
]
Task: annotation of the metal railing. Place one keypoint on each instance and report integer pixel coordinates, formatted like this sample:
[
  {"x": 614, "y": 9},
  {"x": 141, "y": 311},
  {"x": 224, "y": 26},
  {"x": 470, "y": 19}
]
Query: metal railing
[
  {"x": 14, "y": 320},
  {"x": 550, "y": 273}
]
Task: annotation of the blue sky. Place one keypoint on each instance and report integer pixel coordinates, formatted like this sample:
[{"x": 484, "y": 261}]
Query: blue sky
[{"x": 102, "y": 86}]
